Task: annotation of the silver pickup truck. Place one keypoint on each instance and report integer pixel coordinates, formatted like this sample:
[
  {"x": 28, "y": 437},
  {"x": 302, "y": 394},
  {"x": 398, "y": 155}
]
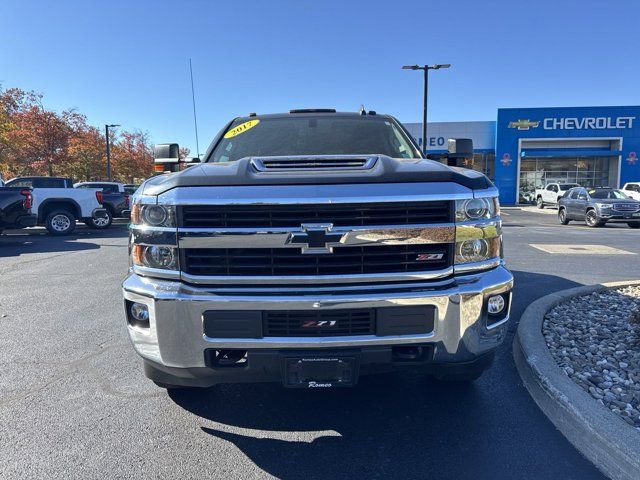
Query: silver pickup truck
[{"x": 310, "y": 248}]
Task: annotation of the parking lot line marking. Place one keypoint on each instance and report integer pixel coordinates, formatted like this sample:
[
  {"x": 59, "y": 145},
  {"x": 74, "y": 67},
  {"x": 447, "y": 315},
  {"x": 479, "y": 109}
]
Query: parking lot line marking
[
  {"x": 542, "y": 211},
  {"x": 579, "y": 249}
]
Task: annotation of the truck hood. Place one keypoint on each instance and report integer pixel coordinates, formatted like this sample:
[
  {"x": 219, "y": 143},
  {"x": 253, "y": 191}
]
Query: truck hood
[{"x": 300, "y": 170}]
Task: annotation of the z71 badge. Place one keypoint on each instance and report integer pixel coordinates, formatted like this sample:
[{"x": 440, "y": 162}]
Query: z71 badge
[
  {"x": 427, "y": 257},
  {"x": 319, "y": 323}
]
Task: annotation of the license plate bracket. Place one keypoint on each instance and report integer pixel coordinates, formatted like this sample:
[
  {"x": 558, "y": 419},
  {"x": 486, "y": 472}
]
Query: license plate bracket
[{"x": 326, "y": 371}]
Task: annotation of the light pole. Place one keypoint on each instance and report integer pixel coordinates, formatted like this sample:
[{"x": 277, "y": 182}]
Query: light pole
[
  {"x": 106, "y": 134},
  {"x": 426, "y": 69}
]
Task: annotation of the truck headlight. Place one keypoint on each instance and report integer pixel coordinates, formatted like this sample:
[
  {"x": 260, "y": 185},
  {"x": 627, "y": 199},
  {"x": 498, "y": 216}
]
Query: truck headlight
[
  {"x": 476, "y": 209},
  {"x": 477, "y": 250},
  {"x": 153, "y": 215},
  {"x": 603, "y": 206},
  {"x": 154, "y": 256}
]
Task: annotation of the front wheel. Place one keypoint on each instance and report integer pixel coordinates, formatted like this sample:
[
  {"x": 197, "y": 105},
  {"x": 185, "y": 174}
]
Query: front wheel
[
  {"x": 101, "y": 223},
  {"x": 540, "y": 203},
  {"x": 633, "y": 224},
  {"x": 562, "y": 217},
  {"x": 60, "y": 222},
  {"x": 592, "y": 220}
]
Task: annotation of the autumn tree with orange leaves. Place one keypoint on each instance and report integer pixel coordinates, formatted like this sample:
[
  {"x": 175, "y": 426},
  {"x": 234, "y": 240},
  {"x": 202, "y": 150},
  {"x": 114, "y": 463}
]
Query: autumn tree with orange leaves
[
  {"x": 37, "y": 141},
  {"x": 130, "y": 155}
]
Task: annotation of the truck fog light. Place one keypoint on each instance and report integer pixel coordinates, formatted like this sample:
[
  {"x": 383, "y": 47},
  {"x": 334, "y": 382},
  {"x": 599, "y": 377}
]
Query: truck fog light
[
  {"x": 139, "y": 312},
  {"x": 160, "y": 257},
  {"x": 495, "y": 304},
  {"x": 474, "y": 250}
]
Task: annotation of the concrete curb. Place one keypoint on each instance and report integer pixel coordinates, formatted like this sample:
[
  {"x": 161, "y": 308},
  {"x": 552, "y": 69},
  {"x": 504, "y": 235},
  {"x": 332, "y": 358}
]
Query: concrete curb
[{"x": 611, "y": 444}]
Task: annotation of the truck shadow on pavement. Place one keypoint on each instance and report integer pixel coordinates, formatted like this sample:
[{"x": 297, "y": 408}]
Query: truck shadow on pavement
[
  {"x": 401, "y": 425},
  {"x": 39, "y": 241}
]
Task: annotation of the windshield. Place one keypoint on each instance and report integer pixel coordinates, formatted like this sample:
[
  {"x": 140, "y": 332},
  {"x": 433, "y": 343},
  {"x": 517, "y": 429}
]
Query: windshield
[
  {"x": 606, "y": 193},
  {"x": 311, "y": 135},
  {"x": 567, "y": 186}
]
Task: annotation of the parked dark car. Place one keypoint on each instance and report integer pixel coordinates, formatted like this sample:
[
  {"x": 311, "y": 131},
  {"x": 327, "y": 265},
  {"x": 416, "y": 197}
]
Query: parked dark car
[
  {"x": 130, "y": 188},
  {"x": 15, "y": 208},
  {"x": 115, "y": 199},
  {"x": 597, "y": 206}
]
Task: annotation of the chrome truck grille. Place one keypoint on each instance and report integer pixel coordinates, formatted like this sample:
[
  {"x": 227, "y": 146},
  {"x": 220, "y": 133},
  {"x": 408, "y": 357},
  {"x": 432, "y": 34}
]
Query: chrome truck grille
[
  {"x": 343, "y": 260},
  {"x": 259, "y": 216},
  {"x": 323, "y": 243}
]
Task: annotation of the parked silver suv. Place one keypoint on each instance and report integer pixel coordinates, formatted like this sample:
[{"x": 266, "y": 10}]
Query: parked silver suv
[{"x": 310, "y": 248}]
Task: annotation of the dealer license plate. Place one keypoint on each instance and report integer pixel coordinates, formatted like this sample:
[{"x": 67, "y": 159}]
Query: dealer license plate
[{"x": 320, "y": 372}]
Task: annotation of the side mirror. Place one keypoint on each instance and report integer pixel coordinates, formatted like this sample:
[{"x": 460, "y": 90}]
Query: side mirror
[
  {"x": 458, "y": 151},
  {"x": 190, "y": 161},
  {"x": 166, "y": 153},
  {"x": 582, "y": 196},
  {"x": 460, "y": 148}
]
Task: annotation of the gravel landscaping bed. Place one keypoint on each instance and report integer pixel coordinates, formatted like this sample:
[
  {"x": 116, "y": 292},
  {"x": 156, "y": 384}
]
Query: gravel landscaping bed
[{"x": 596, "y": 341}]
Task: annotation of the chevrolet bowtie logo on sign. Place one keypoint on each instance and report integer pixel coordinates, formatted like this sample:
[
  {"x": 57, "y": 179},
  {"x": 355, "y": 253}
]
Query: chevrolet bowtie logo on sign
[
  {"x": 523, "y": 124},
  {"x": 316, "y": 238}
]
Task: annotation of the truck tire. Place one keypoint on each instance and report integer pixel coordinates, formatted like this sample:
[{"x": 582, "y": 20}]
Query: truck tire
[
  {"x": 562, "y": 216},
  {"x": 60, "y": 222},
  {"x": 100, "y": 223},
  {"x": 539, "y": 203},
  {"x": 592, "y": 220},
  {"x": 630, "y": 224}
]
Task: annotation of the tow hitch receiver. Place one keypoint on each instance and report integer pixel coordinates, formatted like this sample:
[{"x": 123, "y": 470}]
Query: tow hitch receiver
[{"x": 320, "y": 372}]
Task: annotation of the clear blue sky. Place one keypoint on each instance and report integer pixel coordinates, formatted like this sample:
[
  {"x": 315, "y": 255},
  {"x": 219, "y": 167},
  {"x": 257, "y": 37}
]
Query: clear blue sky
[{"x": 127, "y": 61}]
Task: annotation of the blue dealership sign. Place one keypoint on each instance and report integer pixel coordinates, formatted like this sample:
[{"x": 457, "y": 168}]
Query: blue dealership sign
[{"x": 563, "y": 133}]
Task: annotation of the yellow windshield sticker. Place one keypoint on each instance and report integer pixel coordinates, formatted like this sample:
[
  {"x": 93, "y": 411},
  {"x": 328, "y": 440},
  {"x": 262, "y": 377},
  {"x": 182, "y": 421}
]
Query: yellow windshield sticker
[{"x": 243, "y": 127}]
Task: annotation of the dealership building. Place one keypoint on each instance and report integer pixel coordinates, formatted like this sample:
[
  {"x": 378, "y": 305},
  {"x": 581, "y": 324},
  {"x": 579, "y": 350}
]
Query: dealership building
[{"x": 526, "y": 148}]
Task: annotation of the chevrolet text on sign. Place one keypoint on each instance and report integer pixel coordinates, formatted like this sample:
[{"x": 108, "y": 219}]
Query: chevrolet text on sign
[{"x": 595, "y": 123}]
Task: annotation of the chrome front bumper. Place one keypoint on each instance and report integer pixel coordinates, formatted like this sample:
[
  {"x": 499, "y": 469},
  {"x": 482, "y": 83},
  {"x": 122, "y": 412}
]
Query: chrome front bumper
[{"x": 175, "y": 335}]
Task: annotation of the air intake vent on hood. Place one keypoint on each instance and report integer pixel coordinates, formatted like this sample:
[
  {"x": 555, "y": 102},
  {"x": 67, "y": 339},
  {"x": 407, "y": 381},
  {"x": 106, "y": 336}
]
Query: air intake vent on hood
[{"x": 319, "y": 163}]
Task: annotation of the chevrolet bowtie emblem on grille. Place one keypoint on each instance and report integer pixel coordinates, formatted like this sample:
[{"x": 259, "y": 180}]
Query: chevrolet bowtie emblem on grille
[
  {"x": 316, "y": 238},
  {"x": 523, "y": 124}
]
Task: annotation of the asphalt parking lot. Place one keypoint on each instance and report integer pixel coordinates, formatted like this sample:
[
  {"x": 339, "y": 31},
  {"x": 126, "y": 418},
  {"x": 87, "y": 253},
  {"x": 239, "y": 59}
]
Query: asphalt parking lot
[{"x": 74, "y": 402}]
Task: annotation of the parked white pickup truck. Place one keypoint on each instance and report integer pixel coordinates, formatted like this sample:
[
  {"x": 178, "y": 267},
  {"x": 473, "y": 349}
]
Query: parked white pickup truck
[
  {"x": 552, "y": 193},
  {"x": 58, "y": 204},
  {"x": 632, "y": 190}
]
